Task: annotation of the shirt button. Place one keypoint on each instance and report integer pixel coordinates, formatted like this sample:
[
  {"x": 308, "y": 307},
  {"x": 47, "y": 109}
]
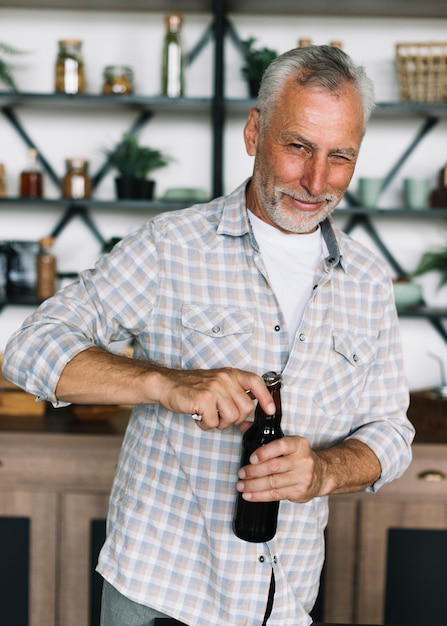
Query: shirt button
[
  {"x": 215, "y": 329},
  {"x": 355, "y": 358},
  {"x": 277, "y": 328},
  {"x": 261, "y": 558},
  {"x": 275, "y": 559},
  {"x": 302, "y": 337}
]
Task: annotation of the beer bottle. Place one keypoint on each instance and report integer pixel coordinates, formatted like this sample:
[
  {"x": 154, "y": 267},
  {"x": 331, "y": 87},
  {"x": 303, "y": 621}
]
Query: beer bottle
[{"x": 256, "y": 521}]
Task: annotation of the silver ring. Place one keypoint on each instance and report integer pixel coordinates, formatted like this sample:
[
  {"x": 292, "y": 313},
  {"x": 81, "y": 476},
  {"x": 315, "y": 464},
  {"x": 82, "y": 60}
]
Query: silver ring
[{"x": 197, "y": 417}]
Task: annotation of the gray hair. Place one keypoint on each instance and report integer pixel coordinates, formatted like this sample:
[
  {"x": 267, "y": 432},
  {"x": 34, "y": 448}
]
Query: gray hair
[{"x": 325, "y": 66}]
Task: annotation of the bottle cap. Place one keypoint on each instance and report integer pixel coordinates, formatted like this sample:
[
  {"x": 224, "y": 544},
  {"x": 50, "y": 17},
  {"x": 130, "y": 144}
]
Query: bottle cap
[
  {"x": 271, "y": 378},
  {"x": 76, "y": 162},
  {"x": 47, "y": 242},
  {"x": 174, "y": 21},
  {"x": 70, "y": 42}
]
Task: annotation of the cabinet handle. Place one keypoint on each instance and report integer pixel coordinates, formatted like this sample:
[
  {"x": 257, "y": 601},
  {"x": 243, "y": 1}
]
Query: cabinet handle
[{"x": 432, "y": 476}]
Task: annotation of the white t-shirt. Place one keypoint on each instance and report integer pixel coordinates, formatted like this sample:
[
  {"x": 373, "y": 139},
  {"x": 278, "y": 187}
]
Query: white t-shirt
[{"x": 290, "y": 260}]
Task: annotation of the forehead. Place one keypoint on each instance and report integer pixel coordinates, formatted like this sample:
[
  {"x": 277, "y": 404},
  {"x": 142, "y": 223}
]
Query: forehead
[{"x": 315, "y": 111}]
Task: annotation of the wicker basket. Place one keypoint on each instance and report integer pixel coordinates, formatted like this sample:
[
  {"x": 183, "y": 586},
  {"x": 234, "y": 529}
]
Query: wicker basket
[{"x": 422, "y": 71}]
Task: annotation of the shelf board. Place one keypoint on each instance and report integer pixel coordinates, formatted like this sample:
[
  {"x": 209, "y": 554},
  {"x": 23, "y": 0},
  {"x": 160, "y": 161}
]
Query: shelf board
[
  {"x": 64, "y": 203},
  {"x": 391, "y": 212},
  {"x": 423, "y": 312},
  {"x": 158, "y": 104},
  {"x": 381, "y": 110},
  {"x": 355, "y": 8}
]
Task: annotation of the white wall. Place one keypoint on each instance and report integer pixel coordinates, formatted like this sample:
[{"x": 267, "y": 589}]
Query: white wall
[{"x": 136, "y": 39}]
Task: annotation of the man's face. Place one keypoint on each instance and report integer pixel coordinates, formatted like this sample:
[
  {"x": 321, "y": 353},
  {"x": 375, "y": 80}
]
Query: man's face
[{"x": 306, "y": 157}]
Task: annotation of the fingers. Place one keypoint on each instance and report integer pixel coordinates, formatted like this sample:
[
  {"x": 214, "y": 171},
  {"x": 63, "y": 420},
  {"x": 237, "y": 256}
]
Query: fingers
[
  {"x": 284, "y": 469},
  {"x": 221, "y": 397}
]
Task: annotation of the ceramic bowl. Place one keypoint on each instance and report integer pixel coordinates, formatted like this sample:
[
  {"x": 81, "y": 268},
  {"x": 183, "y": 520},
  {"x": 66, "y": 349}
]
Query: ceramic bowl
[
  {"x": 407, "y": 294},
  {"x": 185, "y": 194}
]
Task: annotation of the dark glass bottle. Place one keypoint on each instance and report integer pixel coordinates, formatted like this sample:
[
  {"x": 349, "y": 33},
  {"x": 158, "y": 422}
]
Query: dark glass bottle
[{"x": 256, "y": 521}]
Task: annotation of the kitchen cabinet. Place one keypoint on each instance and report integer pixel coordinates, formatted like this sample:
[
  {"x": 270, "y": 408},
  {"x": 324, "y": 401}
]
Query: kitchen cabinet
[
  {"x": 55, "y": 474},
  {"x": 57, "y": 471},
  {"x": 359, "y": 535},
  {"x": 79, "y": 513},
  {"x": 36, "y": 593}
]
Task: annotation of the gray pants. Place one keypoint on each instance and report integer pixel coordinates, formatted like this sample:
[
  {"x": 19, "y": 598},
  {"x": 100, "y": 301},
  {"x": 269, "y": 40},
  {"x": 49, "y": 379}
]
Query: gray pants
[{"x": 117, "y": 610}]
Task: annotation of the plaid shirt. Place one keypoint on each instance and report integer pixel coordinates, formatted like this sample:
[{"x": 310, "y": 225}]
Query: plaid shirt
[{"x": 190, "y": 287}]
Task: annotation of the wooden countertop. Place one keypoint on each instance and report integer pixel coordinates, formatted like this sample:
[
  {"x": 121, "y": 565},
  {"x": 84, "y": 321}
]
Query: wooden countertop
[{"x": 63, "y": 421}]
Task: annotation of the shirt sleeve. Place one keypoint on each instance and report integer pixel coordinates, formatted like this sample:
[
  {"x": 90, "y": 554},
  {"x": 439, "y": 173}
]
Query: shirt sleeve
[
  {"x": 383, "y": 423},
  {"x": 107, "y": 304}
]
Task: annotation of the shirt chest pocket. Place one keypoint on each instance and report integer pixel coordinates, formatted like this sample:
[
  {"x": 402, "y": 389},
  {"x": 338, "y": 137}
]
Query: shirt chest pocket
[
  {"x": 216, "y": 337},
  {"x": 343, "y": 380}
]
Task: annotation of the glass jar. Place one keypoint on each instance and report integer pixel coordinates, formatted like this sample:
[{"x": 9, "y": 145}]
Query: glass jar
[
  {"x": 118, "y": 79},
  {"x": 70, "y": 70},
  {"x": 76, "y": 183}
]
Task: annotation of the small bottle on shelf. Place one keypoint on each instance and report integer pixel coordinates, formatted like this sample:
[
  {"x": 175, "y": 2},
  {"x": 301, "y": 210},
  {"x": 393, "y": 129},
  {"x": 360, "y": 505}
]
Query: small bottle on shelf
[
  {"x": 172, "y": 79},
  {"x": 336, "y": 44},
  {"x": 46, "y": 269},
  {"x": 3, "y": 189},
  {"x": 31, "y": 178},
  {"x": 304, "y": 42}
]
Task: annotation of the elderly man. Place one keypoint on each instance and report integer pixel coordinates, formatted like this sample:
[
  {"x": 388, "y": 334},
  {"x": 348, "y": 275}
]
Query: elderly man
[{"x": 212, "y": 297}]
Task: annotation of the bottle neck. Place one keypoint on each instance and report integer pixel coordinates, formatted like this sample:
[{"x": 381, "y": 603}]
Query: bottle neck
[{"x": 274, "y": 420}]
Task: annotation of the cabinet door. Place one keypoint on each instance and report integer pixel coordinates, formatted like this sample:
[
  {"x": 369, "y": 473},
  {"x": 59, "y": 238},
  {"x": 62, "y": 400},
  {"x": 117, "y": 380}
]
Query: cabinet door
[
  {"x": 376, "y": 519},
  {"x": 80, "y": 514},
  {"x": 339, "y": 568},
  {"x": 28, "y": 520}
]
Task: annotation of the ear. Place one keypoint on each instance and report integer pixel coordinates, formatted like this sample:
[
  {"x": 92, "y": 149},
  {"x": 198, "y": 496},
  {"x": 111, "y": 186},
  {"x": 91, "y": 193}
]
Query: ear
[{"x": 251, "y": 132}]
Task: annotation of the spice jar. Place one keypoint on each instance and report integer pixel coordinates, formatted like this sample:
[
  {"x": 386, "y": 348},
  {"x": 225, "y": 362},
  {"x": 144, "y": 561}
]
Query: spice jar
[
  {"x": 70, "y": 70},
  {"x": 76, "y": 183},
  {"x": 118, "y": 79}
]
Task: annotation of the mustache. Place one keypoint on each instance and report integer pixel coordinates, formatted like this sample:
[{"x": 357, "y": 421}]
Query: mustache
[{"x": 307, "y": 197}]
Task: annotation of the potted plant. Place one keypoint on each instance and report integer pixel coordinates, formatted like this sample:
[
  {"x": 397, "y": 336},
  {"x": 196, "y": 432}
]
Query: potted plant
[
  {"x": 435, "y": 260},
  {"x": 256, "y": 62},
  {"x": 134, "y": 163},
  {"x": 5, "y": 69}
]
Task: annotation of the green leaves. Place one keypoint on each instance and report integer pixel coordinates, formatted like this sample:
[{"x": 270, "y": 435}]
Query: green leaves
[
  {"x": 256, "y": 60},
  {"x": 133, "y": 160},
  {"x": 6, "y": 76},
  {"x": 433, "y": 261}
]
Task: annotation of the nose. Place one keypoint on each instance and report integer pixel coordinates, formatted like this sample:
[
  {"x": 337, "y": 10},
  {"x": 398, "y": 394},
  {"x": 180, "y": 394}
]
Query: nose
[{"x": 314, "y": 177}]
